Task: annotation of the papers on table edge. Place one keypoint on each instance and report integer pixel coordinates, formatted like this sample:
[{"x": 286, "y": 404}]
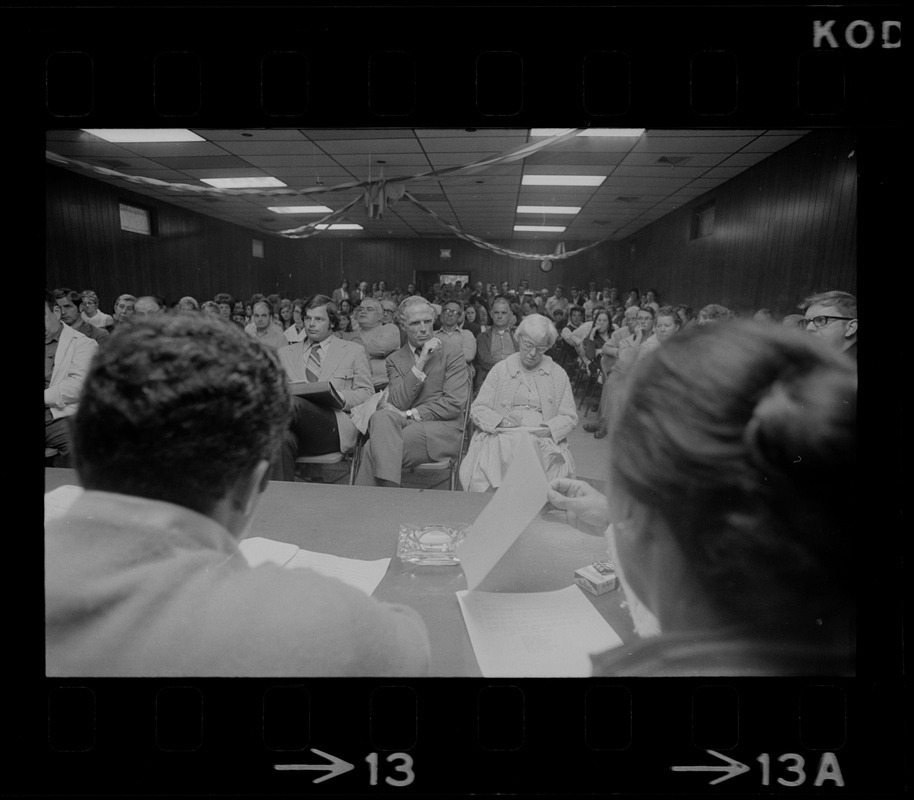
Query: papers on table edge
[
  {"x": 539, "y": 634},
  {"x": 363, "y": 575},
  {"x": 535, "y": 635}
]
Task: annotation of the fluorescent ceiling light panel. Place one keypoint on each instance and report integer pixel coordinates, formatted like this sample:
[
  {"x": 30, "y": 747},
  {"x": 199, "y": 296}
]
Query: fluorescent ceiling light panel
[
  {"x": 622, "y": 132},
  {"x": 563, "y": 180},
  {"x": 341, "y": 226},
  {"x": 548, "y": 209},
  {"x": 540, "y": 228},
  {"x": 243, "y": 183},
  {"x": 299, "y": 209},
  {"x": 145, "y": 134}
]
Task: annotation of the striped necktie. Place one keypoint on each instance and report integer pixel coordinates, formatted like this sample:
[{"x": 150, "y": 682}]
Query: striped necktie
[{"x": 313, "y": 367}]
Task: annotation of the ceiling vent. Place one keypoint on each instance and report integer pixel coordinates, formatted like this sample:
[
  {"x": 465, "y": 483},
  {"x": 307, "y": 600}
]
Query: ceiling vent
[{"x": 672, "y": 161}]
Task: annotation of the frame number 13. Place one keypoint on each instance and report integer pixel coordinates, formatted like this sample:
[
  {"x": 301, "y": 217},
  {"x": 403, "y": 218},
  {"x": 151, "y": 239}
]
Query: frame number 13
[{"x": 403, "y": 764}]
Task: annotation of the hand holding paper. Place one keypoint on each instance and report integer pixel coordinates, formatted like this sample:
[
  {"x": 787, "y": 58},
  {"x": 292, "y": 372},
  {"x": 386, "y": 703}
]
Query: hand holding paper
[{"x": 518, "y": 500}]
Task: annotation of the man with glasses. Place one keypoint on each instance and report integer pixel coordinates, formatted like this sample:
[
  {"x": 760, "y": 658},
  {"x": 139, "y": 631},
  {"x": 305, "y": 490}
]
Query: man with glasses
[
  {"x": 451, "y": 320},
  {"x": 832, "y": 316},
  {"x": 379, "y": 337}
]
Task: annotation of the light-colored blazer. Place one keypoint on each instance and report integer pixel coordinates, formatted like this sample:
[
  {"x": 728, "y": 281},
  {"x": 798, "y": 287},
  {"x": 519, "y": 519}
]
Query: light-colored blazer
[
  {"x": 552, "y": 385},
  {"x": 71, "y": 363},
  {"x": 345, "y": 365}
]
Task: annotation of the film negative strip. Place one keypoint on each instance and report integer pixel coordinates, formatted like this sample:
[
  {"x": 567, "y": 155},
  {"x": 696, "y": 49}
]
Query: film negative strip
[{"x": 687, "y": 67}]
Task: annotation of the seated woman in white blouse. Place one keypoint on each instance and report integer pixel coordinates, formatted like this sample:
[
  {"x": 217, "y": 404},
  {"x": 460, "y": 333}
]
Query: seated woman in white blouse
[{"x": 526, "y": 394}]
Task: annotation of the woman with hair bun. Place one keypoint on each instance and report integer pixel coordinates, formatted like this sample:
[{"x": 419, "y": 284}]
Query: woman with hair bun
[{"x": 730, "y": 451}]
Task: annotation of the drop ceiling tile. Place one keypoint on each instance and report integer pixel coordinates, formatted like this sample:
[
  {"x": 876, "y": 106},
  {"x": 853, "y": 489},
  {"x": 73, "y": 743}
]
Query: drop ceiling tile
[
  {"x": 665, "y": 145},
  {"x": 306, "y": 161},
  {"x": 693, "y": 133},
  {"x": 553, "y": 158},
  {"x": 414, "y": 162},
  {"x": 83, "y": 150},
  {"x": 660, "y": 172},
  {"x": 205, "y": 162},
  {"x": 255, "y": 134},
  {"x": 333, "y": 134},
  {"x": 475, "y": 143},
  {"x": 449, "y": 159},
  {"x": 725, "y": 173},
  {"x": 771, "y": 144},
  {"x": 300, "y": 146},
  {"x": 694, "y": 160},
  {"x": 371, "y": 146},
  {"x": 744, "y": 159}
]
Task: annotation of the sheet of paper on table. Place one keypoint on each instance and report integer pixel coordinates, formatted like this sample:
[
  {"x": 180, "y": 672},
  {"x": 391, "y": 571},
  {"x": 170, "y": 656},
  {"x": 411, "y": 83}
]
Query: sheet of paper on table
[
  {"x": 363, "y": 575},
  {"x": 535, "y": 635},
  {"x": 58, "y": 501},
  {"x": 514, "y": 505},
  {"x": 257, "y": 550}
]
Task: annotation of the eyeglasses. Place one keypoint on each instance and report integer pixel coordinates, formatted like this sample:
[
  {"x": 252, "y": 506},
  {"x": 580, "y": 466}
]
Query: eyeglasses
[
  {"x": 452, "y": 311},
  {"x": 528, "y": 346},
  {"x": 820, "y": 322}
]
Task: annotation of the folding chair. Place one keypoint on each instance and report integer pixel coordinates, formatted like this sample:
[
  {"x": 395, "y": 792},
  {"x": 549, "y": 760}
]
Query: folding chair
[
  {"x": 452, "y": 464},
  {"x": 594, "y": 378},
  {"x": 328, "y": 459}
]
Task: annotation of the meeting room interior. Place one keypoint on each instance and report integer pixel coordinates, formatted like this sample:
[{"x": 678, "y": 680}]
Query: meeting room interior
[{"x": 270, "y": 227}]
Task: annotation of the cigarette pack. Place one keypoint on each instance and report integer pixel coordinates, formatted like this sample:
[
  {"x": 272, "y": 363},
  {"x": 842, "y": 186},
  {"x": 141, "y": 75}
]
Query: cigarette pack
[{"x": 596, "y": 578}]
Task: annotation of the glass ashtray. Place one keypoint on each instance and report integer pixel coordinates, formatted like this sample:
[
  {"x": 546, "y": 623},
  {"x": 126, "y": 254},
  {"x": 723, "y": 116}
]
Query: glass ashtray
[{"x": 434, "y": 545}]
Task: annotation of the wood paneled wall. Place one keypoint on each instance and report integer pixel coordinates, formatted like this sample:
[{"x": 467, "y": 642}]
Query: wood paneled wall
[
  {"x": 192, "y": 254},
  {"x": 783, "y": 229}
]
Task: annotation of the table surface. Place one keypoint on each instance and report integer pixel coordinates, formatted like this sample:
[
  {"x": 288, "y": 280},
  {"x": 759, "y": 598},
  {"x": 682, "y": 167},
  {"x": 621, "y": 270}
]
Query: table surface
[{"x": 363, "y": 522}]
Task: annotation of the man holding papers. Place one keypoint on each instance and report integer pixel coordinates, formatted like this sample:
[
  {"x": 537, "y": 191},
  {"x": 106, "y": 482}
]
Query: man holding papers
[
  {"x": 178, "y": 420},
  {"x": 328, "y": 377}
]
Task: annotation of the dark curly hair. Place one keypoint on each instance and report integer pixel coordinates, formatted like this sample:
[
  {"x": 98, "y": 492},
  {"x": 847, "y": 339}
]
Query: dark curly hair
[{"x": 178, "y": 408}]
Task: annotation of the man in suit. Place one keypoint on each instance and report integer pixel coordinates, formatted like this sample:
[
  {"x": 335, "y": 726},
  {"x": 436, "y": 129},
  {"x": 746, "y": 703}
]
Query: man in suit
[
  {"x": 379, "y": 338},
  {"x": 497, "y": 342},
  {"x": 70, "y": 304},
  {"x": 427, "y": 394},
  {"x": 316, "y": 429},
  {"x": 179, "y": 418},
  {"x": 67, "y": 357}
]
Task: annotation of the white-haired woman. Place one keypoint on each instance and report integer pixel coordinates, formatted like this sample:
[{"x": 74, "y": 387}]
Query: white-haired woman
[{"x": 526, "y": 394}]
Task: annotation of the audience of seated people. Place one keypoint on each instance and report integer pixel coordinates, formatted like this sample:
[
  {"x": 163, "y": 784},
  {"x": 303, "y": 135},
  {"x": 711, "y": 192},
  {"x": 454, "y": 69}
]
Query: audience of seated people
[{"x": 479, "y": 319}]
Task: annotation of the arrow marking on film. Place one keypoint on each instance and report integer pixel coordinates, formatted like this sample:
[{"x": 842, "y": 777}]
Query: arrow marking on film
[
  {"x": 731, "y": 768},
  {"x": 336, "y": 767}
]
